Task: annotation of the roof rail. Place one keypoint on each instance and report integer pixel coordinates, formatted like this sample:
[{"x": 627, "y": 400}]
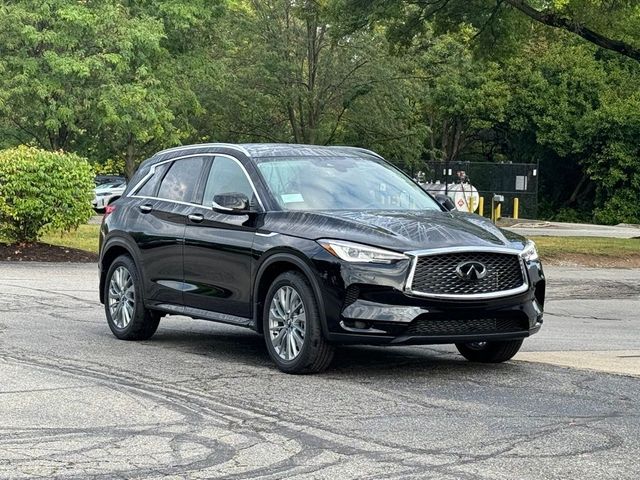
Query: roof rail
[{"x": 201, "y": 145}]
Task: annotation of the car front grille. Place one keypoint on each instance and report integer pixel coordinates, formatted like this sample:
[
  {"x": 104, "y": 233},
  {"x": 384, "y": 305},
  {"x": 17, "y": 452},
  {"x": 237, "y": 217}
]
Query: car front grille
[
  {"x": 436, "y": 275},
  {"x": 471, "y": 326}
]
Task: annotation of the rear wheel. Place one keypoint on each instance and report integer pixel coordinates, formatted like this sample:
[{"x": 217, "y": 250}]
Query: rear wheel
[
  {"x": 489, "y": 352},
  {"x": 291, "y": 324},
  {"x": 127, "y": 317}
]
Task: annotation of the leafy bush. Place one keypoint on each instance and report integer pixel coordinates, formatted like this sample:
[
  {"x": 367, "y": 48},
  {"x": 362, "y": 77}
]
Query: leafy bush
[
  {"x": 622, "y": 207},
  {"x": 42, "y": 191},
  {"x": 572, "y": 215}
]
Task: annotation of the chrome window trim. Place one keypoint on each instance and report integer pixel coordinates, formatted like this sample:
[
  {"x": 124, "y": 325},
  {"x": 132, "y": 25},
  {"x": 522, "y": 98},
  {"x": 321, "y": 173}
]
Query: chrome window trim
[
  {"x": 143, "y": 180},
  {"x": 416, "y": 254},
  {"x": 167, "y": 200},
  {"x": 152, "y": 170}
]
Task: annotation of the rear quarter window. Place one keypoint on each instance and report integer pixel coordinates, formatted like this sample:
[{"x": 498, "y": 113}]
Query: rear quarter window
[{"x": 150, "y": 187}]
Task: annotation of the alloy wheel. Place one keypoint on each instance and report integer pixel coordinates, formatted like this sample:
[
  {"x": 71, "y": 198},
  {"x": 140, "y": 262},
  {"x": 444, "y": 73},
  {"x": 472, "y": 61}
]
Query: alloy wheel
[
  {"x": 287, "y": 322},
  {"x": 121, "y": 297}
]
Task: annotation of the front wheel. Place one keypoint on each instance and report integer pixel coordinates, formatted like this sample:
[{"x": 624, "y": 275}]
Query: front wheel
[
  {"x": 489, "y": 352},
  {"x": 127, "y": 317},
  {"x": 291, "y": 324}
]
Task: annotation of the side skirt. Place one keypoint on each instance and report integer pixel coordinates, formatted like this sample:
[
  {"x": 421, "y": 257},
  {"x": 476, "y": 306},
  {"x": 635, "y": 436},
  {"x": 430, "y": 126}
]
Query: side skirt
[{"x": 198, "y": 313}]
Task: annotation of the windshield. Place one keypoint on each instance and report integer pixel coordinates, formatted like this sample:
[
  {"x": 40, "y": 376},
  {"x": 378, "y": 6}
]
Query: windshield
[{"x": 341, "y": 183}]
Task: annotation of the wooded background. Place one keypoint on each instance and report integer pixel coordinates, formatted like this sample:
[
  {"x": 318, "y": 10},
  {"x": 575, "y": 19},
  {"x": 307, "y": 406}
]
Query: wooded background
[{"x": 554, "y": 81}]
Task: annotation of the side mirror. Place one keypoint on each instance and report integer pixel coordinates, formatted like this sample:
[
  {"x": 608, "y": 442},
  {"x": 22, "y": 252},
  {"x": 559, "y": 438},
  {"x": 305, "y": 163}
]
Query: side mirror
[
  {"x": 231, "y": 203},
  {"x": 445, "y": 202}
]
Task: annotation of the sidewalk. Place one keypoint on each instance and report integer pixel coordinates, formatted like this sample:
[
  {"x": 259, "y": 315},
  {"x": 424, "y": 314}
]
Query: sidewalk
[{"x": 531, "y": 228}]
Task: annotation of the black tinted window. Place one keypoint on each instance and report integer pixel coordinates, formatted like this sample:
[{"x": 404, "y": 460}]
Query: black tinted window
[
  {"x": 181, "y": 180},
  {"x": 226, "y": 176},
  {"x": 151, "y": 185}
]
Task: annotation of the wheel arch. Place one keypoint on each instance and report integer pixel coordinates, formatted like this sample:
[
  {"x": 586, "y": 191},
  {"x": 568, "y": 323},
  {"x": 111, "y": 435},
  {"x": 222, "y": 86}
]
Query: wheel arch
[
  {"x": 273, "y": 266},
  {"x": 113, "y": 248}
]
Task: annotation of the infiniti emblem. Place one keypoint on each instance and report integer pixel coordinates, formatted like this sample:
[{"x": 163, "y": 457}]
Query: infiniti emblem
[{"x": 471, "y": 271}]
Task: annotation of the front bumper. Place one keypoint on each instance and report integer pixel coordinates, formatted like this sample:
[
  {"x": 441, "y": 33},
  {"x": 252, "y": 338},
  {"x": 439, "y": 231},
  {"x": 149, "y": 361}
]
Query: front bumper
[
  {"x": 438, "y": 322},
  {"x": 371, "y": 306},
  {"x": 99, "y": 203}
]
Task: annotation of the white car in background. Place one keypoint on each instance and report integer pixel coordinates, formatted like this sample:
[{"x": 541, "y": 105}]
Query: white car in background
[{"x": 107, "y": 193}]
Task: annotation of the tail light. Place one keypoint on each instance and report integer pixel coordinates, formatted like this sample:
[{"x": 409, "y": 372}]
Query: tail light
[{"x": 108, "y": 210}]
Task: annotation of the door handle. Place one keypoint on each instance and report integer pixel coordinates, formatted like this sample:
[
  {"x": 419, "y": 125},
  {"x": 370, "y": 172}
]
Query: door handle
[
  {"x": 196, "y": 218},
  {"x": 145, "y": 208}
]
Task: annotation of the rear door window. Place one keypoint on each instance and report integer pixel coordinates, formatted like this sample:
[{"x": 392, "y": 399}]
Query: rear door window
[{"x": 180, "y": 184}]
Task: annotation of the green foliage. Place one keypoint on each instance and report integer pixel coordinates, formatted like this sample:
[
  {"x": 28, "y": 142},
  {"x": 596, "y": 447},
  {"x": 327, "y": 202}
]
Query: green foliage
[
  {"x": 570, "y": 215},
  {"x": 622, "y": 207},
  {"x": 472, "y": 80},
  {"x": 110, "y": 167},
  {"x": 290, "y": 74},
  {"x": 99, "y": 77},
  {"x": 42, "y": 191}
]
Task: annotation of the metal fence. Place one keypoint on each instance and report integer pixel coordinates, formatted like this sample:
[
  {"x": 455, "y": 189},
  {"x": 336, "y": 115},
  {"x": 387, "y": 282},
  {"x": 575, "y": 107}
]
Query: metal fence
[{"x": 512, "y": 180}]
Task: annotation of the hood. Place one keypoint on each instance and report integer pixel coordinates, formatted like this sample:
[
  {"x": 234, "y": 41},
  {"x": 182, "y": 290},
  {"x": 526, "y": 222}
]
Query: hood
[{"x": 400, "y": 231}]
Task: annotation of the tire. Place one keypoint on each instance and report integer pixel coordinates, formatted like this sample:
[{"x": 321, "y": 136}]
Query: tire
[
  {"x": 489, "y": 352},
  {"x": 314, "y": 353},
  {"x": 133, "y": 321}
]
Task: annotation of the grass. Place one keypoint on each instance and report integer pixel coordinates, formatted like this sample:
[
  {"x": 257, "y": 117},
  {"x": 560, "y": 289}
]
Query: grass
[
  {"x": 85, "y": 238},
  {"x": 594, "y": 246}
]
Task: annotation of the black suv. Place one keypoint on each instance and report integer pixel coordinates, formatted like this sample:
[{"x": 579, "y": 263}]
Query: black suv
[{"x": 311, "y": 247}]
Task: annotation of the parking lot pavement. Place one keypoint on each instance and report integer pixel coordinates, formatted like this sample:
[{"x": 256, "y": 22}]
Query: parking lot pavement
[{"x": 202, "y": 400}]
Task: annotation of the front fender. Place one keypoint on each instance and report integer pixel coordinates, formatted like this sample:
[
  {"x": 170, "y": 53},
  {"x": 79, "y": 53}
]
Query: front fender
[{"x": 298, "y": 260}]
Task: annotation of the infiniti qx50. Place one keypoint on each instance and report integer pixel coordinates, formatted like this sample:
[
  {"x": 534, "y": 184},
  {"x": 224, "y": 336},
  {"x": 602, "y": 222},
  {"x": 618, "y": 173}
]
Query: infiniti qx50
[{"x": 312, "y": 247}]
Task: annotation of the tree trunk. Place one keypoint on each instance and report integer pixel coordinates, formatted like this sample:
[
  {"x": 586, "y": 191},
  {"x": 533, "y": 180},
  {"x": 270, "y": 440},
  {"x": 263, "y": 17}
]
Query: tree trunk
[
  {"x": 129, "y": 161},
  {"x": 432, "y": 139}
]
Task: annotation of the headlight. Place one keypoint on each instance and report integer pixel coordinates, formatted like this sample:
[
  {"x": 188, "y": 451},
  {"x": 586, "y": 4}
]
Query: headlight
[
  {"x": 356, "y": 253},
  {"x": 103, "y": 194},
  {"x": 529, "y": 254}
]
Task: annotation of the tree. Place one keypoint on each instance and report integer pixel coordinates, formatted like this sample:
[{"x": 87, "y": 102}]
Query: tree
[
  {"x": 97, "y": 77},
  {"x": 612, "y": 25},
  {"x": 290, "y": 74},
  {"x": 573, "y": 16}
]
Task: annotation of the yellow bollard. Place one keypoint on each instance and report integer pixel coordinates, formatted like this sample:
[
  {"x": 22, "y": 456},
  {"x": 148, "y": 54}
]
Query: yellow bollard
[
  {"x": 472, "y": 204},
  {"x": 516, "y": 207},
  {"x": 498, "y": 212},
  {"x": 481, "y": 206}
]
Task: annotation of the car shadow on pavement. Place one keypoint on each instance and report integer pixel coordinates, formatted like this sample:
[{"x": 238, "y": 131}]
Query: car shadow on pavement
[{"x": 246, "y": 347}]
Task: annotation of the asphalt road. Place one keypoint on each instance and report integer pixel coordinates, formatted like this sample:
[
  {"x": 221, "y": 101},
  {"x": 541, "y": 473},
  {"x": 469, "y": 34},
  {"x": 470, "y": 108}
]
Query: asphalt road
[{"x": 202, "y": 400}]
